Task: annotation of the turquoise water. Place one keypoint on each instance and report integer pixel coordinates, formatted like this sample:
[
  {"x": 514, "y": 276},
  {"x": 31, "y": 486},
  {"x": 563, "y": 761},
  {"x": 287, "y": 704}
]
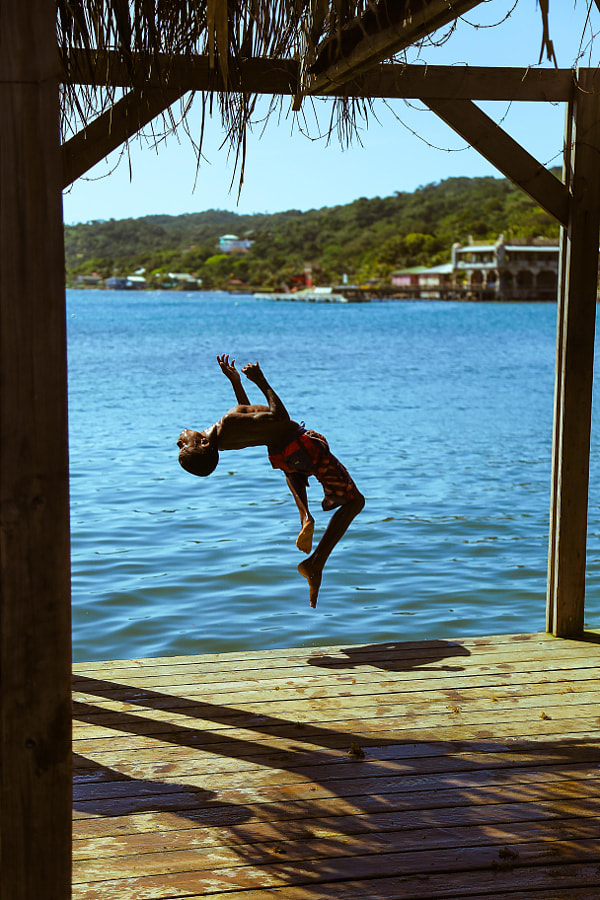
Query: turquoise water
[{"x": 441, "y": 411}]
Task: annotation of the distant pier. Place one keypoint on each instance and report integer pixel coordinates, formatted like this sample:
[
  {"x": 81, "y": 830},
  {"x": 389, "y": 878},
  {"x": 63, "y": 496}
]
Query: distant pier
[{"x": 345, "y": 293}]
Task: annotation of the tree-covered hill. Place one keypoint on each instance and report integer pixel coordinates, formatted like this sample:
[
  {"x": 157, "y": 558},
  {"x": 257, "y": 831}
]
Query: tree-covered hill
[{"x": 366, "y": 239}]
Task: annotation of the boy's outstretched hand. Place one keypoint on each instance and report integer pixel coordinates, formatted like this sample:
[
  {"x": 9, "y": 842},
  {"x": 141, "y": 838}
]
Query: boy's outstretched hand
[
  {"x": 228, "y": 368},
  {"x": 253, "y": 372}
]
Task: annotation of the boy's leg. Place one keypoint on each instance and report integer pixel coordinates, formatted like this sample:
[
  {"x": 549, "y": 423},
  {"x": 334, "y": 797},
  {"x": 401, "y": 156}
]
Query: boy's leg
[
  {"x": 312, "y": 568},
  {"x": 297, "y": 486}
]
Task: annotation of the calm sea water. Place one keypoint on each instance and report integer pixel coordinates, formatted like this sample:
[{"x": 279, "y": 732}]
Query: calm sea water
[{"x": 441, "y": 411}]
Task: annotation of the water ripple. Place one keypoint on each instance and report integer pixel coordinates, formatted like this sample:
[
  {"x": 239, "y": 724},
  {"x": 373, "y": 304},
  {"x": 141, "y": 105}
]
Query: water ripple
[{"x": 442, "y": 412}]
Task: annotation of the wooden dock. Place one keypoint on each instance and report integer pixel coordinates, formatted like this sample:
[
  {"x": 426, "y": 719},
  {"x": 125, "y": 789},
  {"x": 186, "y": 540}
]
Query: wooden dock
[{"x": 463, "y": 769}]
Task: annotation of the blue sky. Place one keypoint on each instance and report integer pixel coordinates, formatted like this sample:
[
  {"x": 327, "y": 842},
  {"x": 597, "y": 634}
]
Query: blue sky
[{"x": 286, "y": 170}]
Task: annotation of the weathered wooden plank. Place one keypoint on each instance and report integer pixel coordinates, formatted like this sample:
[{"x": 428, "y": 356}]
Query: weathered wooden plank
[
  {"x": 580, "y": 730},
  {"x": 517, "y": 836},
  {"x": 330, "y": 668},
  {"x": 389, "y": 888},
  {"x": 282, "y": 749},
  {"x": 312, "y": 676},
  {"x": 574, "y": 882},
  {"x": 114, "y": 835},
  {"x": 478, "y": 642},
  {"x": 240, "y": 741},
  {"x": 372, "y": 773},
  {"x": 392, "y": 721},
  {"x": 326, "y": 714},
  {"x": 35, "y": 641},
  {"x": 574, "y": 679},
  {"x": 262, "y": 802},
  {"x": 392, "y": 649},
  {"x": 151, "y": 765},
  {"x": 396, "y": 659},
  {"x": 506, "y": 824},
  {"x": 548, "y": 893},
  {"x": 345, "y": 868},
  {"x": 280, "y": 76},
  {"x": 279, "y": 752},
  {"x": 277, "y": 770},
  {"x": 309, "y": 800},
  {"x": 575, "y": 361},
  {"x": 260, "y": 788},
  {"x": 483, "y": 687},
  {"x": 277, "y": 700}
]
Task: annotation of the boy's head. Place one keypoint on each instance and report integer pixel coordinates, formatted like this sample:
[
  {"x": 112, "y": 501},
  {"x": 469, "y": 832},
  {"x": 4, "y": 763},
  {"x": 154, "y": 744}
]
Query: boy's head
[{"x": 198, "y": 453}]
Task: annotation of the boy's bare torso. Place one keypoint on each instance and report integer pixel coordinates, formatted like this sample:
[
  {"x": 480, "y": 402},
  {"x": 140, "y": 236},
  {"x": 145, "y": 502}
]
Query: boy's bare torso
[{"x": 253, "y": 426}]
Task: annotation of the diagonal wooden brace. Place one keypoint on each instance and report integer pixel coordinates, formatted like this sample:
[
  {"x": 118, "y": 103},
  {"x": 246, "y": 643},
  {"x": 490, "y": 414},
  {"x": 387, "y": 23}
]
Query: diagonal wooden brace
[
  {"x": 505, "y": 153},
  {"x": 113, "y": 127}
]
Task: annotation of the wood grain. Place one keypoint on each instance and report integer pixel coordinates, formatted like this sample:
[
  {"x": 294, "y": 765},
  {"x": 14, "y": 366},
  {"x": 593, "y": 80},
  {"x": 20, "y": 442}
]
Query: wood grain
[{"x": 238, "y": 775}]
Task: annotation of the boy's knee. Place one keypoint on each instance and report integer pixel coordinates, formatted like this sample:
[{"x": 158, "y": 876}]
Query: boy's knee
[{"x": 359, "y": 502}]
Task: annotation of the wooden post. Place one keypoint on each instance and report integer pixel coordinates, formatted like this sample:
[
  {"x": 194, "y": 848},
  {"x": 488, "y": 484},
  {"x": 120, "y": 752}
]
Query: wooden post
[
  {"x": 574, "y": 368},
  {"x": 35, "y": 643}
]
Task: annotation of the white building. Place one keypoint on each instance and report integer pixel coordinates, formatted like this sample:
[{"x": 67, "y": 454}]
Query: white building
[{"x": 231, "y": 243}]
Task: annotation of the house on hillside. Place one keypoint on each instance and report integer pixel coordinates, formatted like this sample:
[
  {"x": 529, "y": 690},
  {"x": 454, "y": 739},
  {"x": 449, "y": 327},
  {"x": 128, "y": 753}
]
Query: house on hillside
[
  {"x": 407, "y": 277},
  {"x": 115, "y": 283},
  {"x": 231, "y": 243},
  {"x": 182, "y": 280},
  {"x": 423, "y": 279},
  {"x": 125, "y": 283},
  {"x": 88, "y": 281}
]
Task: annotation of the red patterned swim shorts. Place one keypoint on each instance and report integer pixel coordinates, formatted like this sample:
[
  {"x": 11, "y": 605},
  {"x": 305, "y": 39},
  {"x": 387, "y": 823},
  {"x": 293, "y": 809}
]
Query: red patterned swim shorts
[{"x": 309, "y": 454}]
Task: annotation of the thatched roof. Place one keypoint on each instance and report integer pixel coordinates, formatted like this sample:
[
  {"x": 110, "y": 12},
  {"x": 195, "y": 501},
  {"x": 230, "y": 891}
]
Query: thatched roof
[{"x": 110, "y": 46}]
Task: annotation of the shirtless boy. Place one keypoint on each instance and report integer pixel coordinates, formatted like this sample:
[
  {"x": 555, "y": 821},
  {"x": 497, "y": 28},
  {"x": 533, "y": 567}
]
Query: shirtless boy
[{"x": 297, "y": 452}]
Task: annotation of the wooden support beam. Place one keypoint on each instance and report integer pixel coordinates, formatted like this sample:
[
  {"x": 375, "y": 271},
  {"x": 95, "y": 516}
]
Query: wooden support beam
[
  {"x": 393, "y": 80},
  {"x": 575, "y": 361},
  {"x": 187, "y": 73},
  {"x": 112, "y": 128},
  {"x": 505, "y": 153},
  {"x": 280, "y": 76},
  {"x": 35, "y": 615},
  {"x": 384, "y": 43}
]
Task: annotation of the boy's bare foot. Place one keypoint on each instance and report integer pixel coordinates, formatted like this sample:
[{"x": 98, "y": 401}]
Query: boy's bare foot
[
  {"x": 313, "y": 576},
  {"x": 305, "y": 538}
]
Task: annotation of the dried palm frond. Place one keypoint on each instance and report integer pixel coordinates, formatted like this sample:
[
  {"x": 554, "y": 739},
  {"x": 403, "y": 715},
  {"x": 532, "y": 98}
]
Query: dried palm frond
[
  {"x": 146, "y": 31},
  {"x": 146, "y": 35}
]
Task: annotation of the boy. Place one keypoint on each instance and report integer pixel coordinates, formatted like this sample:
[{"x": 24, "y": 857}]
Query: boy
[{"x": 291, "y": 448}]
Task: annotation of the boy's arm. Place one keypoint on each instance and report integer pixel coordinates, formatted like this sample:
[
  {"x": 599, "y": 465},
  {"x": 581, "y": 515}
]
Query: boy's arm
[
  {"x": 229, "y": 369},
  {"x": 254, "y": 373}
]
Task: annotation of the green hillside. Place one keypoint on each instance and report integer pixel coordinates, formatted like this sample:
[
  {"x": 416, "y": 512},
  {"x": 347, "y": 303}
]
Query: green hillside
[{"x": 366, "y": 239}]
